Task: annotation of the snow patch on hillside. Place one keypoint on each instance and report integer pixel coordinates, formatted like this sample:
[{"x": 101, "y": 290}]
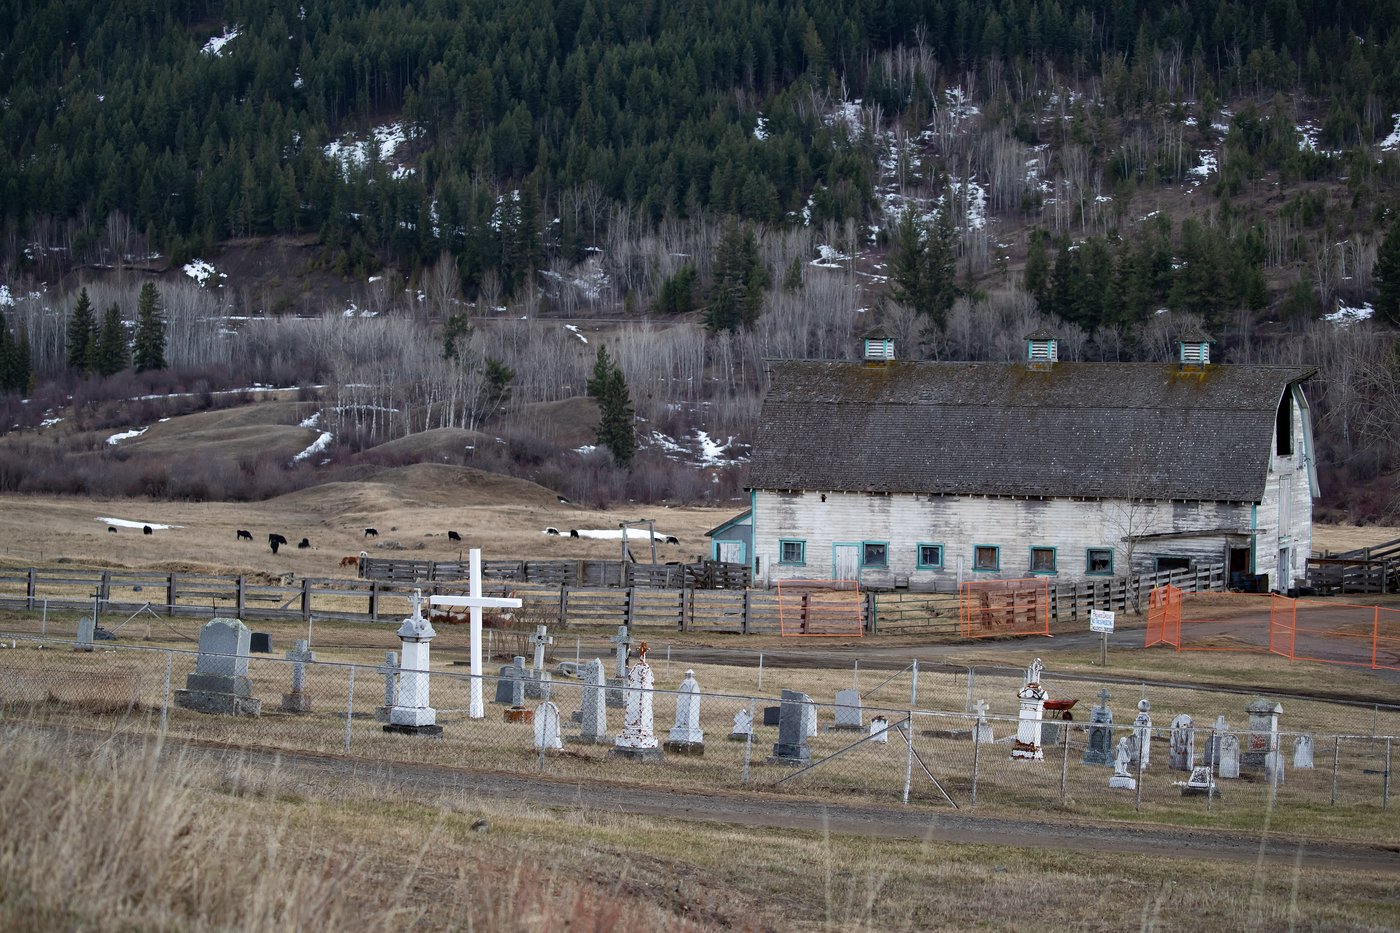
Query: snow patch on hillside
[
  {"x": 202, "y": 271},
  {"x": 215, "y": 46},
  {"x": 349, "y": 152},
  {"x": 127, "y": 523},
  {"x": 1393, "y": 140},
  {"x": 127, "y": 435},
  {"x": 1346, "y": 316},
  {"x": 318, "y": 445}
]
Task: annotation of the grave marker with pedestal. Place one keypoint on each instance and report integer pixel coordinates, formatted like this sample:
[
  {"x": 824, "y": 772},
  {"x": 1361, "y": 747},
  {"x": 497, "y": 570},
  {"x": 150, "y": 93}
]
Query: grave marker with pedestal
[
  {"x": 1100, "y": 750},
  {"x": 1032, "y": 696},
  {"x": 412, "y": 712},
  {"x": 686, "y": 737},
  {"x": 791, "y": 747},
  {"x": 297, "y": 701},
  {"x": 220, "y": 681},
  {"x": 637, "y": 740}
]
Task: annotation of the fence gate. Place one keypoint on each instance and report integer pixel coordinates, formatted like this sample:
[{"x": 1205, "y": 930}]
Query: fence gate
[{"x": 1164, "y": 617}]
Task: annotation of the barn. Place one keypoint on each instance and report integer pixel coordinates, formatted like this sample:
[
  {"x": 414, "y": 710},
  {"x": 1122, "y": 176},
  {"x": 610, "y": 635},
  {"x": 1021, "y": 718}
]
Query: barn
[{"x": 928, "y": 474}]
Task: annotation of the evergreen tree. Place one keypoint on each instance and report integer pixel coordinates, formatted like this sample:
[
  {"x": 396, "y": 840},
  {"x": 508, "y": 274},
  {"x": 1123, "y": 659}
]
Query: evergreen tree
[
  {"x": 615, "y": 408},
  {"x": 150, "y": 330},
  {"x": 111, "y": 354},
  {"x": 82, "y": 333},
  {"x": 736, "y": 295},
  {"x": 1387, "y": 273},
  {"x": 1037, "y": 274},
  {"x": 923, "y": 266}
]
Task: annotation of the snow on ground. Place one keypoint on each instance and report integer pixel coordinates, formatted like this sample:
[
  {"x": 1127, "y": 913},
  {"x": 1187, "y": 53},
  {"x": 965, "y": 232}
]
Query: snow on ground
[
  {"x": 830, "y": 257},
  {"x": 127, "y": 435},
  {"x": 1208, "y": 166},
  {"x": 320, "y": 444},
  {"x": 6, "y": 299},
  {"x": 1345, "y": 316},
  {"x": 712, "y": 452},
  {"x": 126, "y": 523},
  {"x": 760, "y": 128},
  {"x": 215, "y": 46},
  {"x": 976, "y": 217},
  {"x": 575, "y": 331},
  {"x": 1393, "y": 140},
  {"x": 49, "y": 422},
  {"x": 202, "y": 271},
  {"x": 847, "y": 115},
  {"x": 959, "y": 105},
  {"x": 313, "y": 422},
  {"x": 349, "y": 152},
  {"x": 611, "y": 534}
]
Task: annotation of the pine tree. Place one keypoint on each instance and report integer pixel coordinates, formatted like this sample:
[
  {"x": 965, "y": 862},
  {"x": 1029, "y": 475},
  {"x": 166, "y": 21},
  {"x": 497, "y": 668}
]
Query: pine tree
[
  {"x": 150, "y": 330},
  {"x": 1387, "y": 274},
  {"x": 111, "y": 354},
  {"x": 82, "y": 333},
  {"x": 923, "y": 266},
  {"x": 615, "y": 408},
  {"x": 736, "y": 296},
  {"x": 1037, "y": 274}
]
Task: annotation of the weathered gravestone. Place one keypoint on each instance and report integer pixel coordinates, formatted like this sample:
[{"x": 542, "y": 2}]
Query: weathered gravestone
[
  {"x": 622, "y": 646},
  {"x": 1032, "y": 696},
  {"x": 537, "y": 683},
  {"x": 390, "y": 670},
  {"x": 1200, "y": 783},
  {"x": 1263, "y": 733},
  {"x": 772, "y": 715},
  {"x": 880, "y": 730},
  {"x": 412, "y": 713},
  {"x": 1229, "y": 766},
  {"x": 1181, "y": 754},
  {"x": 260, "y": 643},
  {"x": 547, "y": 734},
  {"x": 517, "y": 711},
  {"x": 505, "y": 689},
  {"x": 594, "y": 718},
  {"x": 1141, "y": 746},
  {"x": 686, "y": 737},
  {"x": 87, "y": 628},
  {"x": 1212, "y": 756},
  {"x": 982, "y": 732},
  {"x": 791, "y": 747},
  {"x": 1303, "y": 752},
  {"x": 743, "y": 726},
  {"x": 849, "y": 715},
  {"x": 297, "y": 701},
  {"x": 1273, "y": 767},
  {"x": 1122, "y": 763},
  {"x": 637, "y": 740},
  {"x": 1100, "y": 750},
  {"x": 220, "y": 682}
]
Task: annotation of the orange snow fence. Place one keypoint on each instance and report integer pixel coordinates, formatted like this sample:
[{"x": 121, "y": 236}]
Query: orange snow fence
[
  {"x": 820, "y": 608},
  {"x": 989, "y": 608}
]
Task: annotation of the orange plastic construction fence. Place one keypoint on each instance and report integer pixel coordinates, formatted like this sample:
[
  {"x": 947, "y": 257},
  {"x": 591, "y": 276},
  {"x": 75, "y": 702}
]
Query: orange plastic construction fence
[
  {"x": 1163, "y": 617},
  {"x": 820, "y": 608},
  {"x": 1336, "y": 633},
  {"x": 1005, "y": 607}
]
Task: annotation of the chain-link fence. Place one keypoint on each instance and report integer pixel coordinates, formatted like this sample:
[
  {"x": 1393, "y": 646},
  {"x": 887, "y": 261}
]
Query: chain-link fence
[{"x": 922, "y": 756}]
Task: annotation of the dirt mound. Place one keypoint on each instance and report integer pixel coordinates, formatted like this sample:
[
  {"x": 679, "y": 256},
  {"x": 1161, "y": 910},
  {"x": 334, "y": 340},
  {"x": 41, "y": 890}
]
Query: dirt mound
[
  {"x": 226, "y": 435},
  {"x": 448, "y": 445},
  {"x": 419, "y": 484},
  {"x": 570, "y": 422}
]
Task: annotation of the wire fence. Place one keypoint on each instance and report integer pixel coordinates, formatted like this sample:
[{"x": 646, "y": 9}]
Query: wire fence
[{"x": 919, "y": 754}]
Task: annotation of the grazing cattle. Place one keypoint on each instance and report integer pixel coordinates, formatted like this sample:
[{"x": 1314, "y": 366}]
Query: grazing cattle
[
  {"x": 551, "y": 531},
  {"x": 112, "y": 529},
  {"x": 371, "y": 532},
  {"x": 672, "y": 539},
  {"x": 244, "y": 535},
  {"x": 349, "y": 562},
  {"x": 275, "y": 541},
  {"x": 563, "y": 501},
  {"x": 304, "y": 543},
  {"x": 146, "y": 530},
  {"x": 573, "y": 532},
  {"x": 453, "y": 536}
]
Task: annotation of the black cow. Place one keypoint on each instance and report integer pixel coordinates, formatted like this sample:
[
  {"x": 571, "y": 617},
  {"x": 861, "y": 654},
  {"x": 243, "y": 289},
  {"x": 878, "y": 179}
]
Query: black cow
[
  {"x": 573, "y": 532},
  {"x": 672, "y": 539},
  {"x": 303, "y": 543},
  {"x": 275, "y": 541},
  {"x": 371, "y": 532},
  {"x": 244, "y": 535},
  {"x": 146, "y": 530},
  {"x": 453, "y": 536},
  {"x": 112, "y": 529}
]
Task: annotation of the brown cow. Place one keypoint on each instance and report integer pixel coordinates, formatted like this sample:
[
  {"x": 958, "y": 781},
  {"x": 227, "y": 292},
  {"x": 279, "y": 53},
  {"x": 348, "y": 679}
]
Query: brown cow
[{"x": 350, "y": 562}]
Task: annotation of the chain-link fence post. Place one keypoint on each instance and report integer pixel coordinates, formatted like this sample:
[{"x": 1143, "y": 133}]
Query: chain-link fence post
[
  {"x": 1147, "y": 733},
  {"x": 909, "y": 742},
  {"x": 1211, "y": 764},
  {"x": 748, "y": 742},
  {"x": 44, "y": 620},
  {"x": 165, "y": 697},
  {"x": 1336, "y": 760},
  {"x": 976, "y": 756},
  {"x": 1064, "y": 762},
  {"x": 349, "y": 708},
  {"x": 1385, "y": 778}
]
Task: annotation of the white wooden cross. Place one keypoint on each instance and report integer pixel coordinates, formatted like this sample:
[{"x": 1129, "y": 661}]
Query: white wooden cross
[
  {"x": 981, "y": 707},
  {"x": 475, "y": 602},
  {"x": 539, "y": 640}
]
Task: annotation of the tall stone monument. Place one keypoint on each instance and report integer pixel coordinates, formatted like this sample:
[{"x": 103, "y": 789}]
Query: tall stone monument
[
  {"x": 686, "y": 737},
  {"x": 1032, "y": 696},
  {"x": 1263, "y": 733},
  {"x": 1100, "y": 750},
  {"x": 637, "y": 740},
  {"x": 413, "y": 713},
  {"x": 791, "y": 747},
  {"x": 1181, "y": 755},
  {"x": 594, "y": 718},
  {"x": 220, "y": 681},
  {"x": 1142, "y": 735}
]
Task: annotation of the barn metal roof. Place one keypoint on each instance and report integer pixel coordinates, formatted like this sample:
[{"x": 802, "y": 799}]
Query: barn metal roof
[{"x": 1099, "y": 430}]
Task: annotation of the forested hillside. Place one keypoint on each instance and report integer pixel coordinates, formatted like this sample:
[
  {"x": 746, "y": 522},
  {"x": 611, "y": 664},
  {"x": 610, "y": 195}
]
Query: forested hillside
[{"x": 755, "y": 179}]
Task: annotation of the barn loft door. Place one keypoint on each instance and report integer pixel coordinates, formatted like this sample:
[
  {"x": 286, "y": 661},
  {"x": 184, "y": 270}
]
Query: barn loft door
[{"x": 845, "y": 562}]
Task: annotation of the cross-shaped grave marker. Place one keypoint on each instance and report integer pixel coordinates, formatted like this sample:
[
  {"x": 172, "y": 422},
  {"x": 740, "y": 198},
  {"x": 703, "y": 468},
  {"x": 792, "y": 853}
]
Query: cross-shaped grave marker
[
  {"x": 540, "y": 639},
  {"x": 475, "y": 602},
  {"x": 624, "y": 644}
]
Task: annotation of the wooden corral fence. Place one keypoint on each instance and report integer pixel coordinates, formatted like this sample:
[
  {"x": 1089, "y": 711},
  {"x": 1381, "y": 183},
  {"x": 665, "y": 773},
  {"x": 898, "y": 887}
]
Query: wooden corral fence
[
  {"x": 709, "y": 575},
  {"x": 1364, "y": 570}
]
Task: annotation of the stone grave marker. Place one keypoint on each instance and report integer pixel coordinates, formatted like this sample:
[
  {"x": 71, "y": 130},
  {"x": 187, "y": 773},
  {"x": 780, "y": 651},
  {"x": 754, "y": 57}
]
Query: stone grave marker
[
  {"x": 982, "y": 731},
  {"x": 297, "y": 701},
  {"x": 1212, "y": 756},
  {"x": 743, "y": 726},
  {"x": 413, "y": 713},
  {"x": 260, "y": 643},
  {"x": 637, "y": 740},
  {"x": 537, "y": 684},
  {"x": 1263, "y": 732},
  {"x": 849, "y": 715},
  {"x": 1181, "y": 754},
  {"x": 772, "y": 715},
  {"x": 1122, "y": 764},
  {"x": 1273, "y": 767},
  {"x": 1100, "y": 749},
  {"x": 390, "y": 670},
  {"x": 879, "y": 730},
  {"x": 1229, "y": 765},
  {"x": 547, "y": 735},
  {"x": 622, "y": 645},
  {"x": 220, "y": 682},
  {"x": 503, "y": 681},
  {"x": 594, "y": 718},
  {"x": 1302, "y": 752},
  {"x": 517, "y": 711},
  {"x": 1142, "y": 734},
  {"x": 87, "y": 629},
  {"x": 791, "y": 747},
  {"x": 1032, "y": 695},
  {"x": 686, "y": 737},
  {"x": 1200, "y": 783}
]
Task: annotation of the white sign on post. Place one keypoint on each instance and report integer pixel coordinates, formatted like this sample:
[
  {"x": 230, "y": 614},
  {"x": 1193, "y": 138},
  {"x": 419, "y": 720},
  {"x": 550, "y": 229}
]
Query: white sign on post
[{"x": 1100, "y": 620}]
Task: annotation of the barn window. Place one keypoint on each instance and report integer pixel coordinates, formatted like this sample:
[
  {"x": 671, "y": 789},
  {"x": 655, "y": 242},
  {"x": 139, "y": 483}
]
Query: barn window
[
  {"x": 792, "y": 552},
  {"x": 1165, "y": 564},
  {"x": 1099, "y": 561},
  {"x": 1042, "y": 560},
  {"x": 986, "y": 557},
  {"x": 930, "y": 556},
  {"x": 1283, "y": 427},
  {"x": 874, "y": 554}
]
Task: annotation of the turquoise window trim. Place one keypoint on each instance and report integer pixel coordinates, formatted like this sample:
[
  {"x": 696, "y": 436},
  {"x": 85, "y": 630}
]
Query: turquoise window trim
[
  {"x": 1054, "y": 560},
  {"x": 782, "y": 547},
  {"x": 1089, "y": 562},
  {"x": 919, "y": 556},
  {"x": 996, "y": 550},
  {"x": 882, "y": 564}
]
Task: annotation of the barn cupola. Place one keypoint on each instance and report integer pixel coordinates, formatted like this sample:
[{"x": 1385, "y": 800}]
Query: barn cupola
[
  {"x": 878, "y": 350},
  {"x": 1195, "y": 349},
  {"x": 1042, "y": 350}
]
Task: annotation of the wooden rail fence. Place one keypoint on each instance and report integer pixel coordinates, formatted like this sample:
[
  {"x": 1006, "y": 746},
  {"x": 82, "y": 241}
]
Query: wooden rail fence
[{"x": 710, "y": 575}]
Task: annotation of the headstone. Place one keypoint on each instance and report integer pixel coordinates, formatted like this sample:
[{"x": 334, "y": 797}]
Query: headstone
[
  {"x": 1181, "y": 755},
  {"x": 517, "y": 712},
  {"x": 637, "y": 740},
  {"x": 982, "y": 732},
  {"x": 809, "y": 720},
  {"x": 297, "y": 701},
  {"x": 1142, "y": 735},
  {"x": 1032, "y": 696},
  {"x": 849, "y": 715},
  {"x": 220, "y": 682},
  {"x": 1100, "y": 750},
  {"x": 504, "y": 678},
  {"x": 1302, "y": 752},
  {"x": 791, "y": 747},
  {"x": 1263, "y": 732},
  {"x": 772, "y": 715},
  {"x": 87, "y": 629},
  {"x": 537, "y": 685},
  {"x": 743, "y": 726},
  {"x": 1212, "y": 755},
  {"x": 1200, "y": 783},
  {"x": 1273, "y": 767},
  {"x": 547, "y": 727},
  {"x": 622, "y": 643},
  {"x": 260, "y": 643},
  {"x": 595, "y": 710},
  {"x": 390, "y": 670},
  {"x": 413, "y": 714},
  {"x": 686, "y": 737},
  {"x": 1229, "y": 766},
  {"x": 1122, "y": 763},
  {"x": 879, "y": 730}
]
